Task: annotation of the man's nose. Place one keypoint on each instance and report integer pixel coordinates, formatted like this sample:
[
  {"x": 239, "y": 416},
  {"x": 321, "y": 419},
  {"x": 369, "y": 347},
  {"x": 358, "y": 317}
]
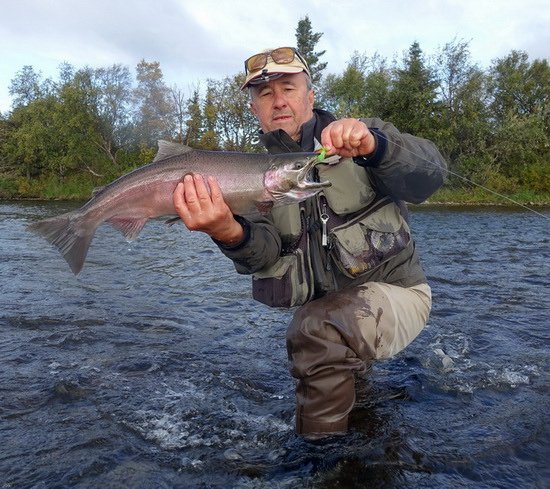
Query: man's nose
[{"x": 279, "y": 100}]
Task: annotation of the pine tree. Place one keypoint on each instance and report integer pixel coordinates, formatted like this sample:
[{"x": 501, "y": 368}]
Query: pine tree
[{"x": 306, "y": 41}]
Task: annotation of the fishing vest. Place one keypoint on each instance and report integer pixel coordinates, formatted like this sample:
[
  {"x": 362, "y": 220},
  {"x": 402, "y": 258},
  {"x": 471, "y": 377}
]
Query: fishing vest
[{"x": 340, "y": 235}]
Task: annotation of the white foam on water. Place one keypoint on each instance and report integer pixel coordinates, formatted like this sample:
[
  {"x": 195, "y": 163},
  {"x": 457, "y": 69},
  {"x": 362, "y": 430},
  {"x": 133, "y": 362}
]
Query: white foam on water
[
  {"x": 450, "y": 359},
  {"x": 190, "y": 416},
  {"x": 512, "y": 376}
]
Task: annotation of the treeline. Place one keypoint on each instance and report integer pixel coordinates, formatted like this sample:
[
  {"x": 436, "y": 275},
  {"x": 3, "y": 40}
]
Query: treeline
[{"x": 65, "y": 136}]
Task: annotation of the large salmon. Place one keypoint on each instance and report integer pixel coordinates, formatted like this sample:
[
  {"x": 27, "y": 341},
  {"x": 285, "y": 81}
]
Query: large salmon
[{"x": 250, "y": 183}]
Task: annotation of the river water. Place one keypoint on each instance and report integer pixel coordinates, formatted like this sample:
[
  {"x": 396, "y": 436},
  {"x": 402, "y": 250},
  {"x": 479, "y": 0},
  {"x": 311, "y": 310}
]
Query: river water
[{"x": 154, "y": 368}]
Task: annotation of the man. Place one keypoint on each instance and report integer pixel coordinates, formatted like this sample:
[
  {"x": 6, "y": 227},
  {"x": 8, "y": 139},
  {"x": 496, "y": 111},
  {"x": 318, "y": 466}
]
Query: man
[{"x": 345, "y": 256}]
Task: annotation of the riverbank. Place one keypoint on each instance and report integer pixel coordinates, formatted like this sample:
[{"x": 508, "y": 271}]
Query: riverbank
[
  {"x": 80, "y": 188},
  {"x": 481, "y": 196}
]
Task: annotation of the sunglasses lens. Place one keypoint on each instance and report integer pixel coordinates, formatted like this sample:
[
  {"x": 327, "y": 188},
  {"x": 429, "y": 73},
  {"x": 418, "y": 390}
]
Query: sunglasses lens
[
  {"x": 283, "y": 55},
  {"x": 256, "y": 62}
]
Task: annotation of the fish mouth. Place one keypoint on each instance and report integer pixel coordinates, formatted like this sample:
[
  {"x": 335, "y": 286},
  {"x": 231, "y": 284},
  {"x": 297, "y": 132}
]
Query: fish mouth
[
  {"x": 300, "y": 182},
  {"x": 294, "y": 181},
  {"x": 305, "y": 179}
]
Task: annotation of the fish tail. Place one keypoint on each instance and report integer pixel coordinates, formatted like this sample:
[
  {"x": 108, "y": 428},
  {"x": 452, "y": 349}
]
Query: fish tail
[{"x": 69, "y": 234}]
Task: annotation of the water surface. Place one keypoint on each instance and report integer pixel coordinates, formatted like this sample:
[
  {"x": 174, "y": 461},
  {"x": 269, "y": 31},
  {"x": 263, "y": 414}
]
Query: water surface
[{"x": 155, "y": 368}]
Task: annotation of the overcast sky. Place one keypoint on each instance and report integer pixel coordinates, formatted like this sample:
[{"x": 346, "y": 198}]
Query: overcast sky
[{"x": 198, "y": 39}]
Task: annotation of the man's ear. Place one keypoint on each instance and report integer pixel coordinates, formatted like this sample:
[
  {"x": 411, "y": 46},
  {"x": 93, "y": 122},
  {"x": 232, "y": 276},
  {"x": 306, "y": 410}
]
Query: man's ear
[{"x": 311, "y": 98}]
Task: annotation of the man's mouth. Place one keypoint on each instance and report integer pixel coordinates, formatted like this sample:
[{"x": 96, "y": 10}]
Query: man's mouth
[{"x": 280, "y": 118}]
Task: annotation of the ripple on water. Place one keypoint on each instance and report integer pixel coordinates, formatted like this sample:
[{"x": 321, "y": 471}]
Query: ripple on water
[{"x": 154, "y": 368}]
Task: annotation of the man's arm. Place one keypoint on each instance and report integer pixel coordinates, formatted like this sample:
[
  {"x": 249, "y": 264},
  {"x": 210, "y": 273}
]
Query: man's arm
[
  {"x": 409, "y": 168},
  {"x": 251, "y": 245},
  {"x": 403, "y": 166}
]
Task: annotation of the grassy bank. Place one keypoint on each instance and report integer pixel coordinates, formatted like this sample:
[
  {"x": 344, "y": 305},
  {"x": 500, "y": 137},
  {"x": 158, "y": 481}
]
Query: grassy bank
[
  {"x": 81, "y": 186},
  {"x": 479, "y": 196},
  {"x": 75, "y": 187}
]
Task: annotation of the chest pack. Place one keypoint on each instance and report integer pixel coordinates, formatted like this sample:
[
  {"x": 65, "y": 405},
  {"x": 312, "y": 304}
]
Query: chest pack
[{"x": 347, "y": 229}]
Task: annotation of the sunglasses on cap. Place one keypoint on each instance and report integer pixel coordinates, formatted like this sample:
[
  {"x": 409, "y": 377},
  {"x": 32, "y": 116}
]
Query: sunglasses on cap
[{"x": 281, "y": 56}]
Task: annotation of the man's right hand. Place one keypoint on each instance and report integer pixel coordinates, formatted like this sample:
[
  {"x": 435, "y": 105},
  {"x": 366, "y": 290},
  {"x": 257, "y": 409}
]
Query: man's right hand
[{"x": 348, "y": 138}]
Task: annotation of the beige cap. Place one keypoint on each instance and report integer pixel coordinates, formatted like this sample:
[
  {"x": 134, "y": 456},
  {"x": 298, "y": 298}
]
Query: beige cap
[{"x": 273, "y": 70}]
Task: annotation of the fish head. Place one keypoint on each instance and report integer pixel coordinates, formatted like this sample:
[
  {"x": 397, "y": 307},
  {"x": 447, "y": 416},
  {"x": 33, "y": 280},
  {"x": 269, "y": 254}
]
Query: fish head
[{"x": 291, "y": 177}]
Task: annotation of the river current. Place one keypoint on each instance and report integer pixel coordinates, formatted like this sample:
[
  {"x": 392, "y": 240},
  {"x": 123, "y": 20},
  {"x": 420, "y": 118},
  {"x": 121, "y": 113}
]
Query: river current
[{"x": 154, "y": 368}]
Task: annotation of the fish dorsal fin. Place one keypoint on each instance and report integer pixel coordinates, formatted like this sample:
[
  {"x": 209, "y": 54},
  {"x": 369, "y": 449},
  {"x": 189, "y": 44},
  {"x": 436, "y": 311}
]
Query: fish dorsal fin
[{"x": 168, "y": 149}]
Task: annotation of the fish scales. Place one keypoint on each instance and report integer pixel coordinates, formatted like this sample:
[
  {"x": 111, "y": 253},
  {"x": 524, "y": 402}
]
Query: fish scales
[{"x": 250, "y": 183}]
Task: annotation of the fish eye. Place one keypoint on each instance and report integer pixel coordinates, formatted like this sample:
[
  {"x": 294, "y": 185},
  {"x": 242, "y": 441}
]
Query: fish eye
[{"x": 298, "y": 165}]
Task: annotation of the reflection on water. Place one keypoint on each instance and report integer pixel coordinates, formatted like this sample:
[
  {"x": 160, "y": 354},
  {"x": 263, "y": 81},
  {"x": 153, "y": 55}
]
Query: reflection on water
[{"x": 154, "y": 368}]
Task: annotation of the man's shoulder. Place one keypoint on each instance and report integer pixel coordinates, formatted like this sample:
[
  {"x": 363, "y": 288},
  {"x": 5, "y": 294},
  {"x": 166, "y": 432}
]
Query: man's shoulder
[{"x": 324, "y": 116}]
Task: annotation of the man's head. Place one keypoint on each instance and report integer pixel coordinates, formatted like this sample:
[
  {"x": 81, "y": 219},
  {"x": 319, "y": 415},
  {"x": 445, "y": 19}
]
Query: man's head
[
  {"x": 272, "y": 63},
  {"x": 281, "y": 90}
]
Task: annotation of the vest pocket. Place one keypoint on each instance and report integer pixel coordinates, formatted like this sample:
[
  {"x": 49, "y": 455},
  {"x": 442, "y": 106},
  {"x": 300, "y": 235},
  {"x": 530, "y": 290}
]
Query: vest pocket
[
  {"x": 350, "y": 190},
  {"x": 284, "y": 284},
  {"x": 367, "y": 242}
]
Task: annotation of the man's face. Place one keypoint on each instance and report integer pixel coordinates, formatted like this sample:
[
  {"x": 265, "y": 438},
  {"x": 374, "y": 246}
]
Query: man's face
[{"x": 284, "y": 103}]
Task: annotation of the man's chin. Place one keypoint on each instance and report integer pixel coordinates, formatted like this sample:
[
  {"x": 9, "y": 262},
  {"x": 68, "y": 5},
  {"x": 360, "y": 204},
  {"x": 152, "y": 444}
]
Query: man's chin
[{"x": 287, "y": 125}]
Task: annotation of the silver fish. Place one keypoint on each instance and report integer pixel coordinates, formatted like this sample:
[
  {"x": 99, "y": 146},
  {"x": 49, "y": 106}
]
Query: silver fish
[{"x": 251, "y": 183}]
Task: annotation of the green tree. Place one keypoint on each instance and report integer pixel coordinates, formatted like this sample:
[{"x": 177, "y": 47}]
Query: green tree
[
  {"x": 413, "y": 98},
  {"x": 236, "y": 126},
  {"x": 55, "y": 136},
  {"x": 361, "y": 91},
  {"x": 154, "y": 111},
  {"x": 113, "y": 106},
  {"x": 78, "y": 127},
  {"x": 306, "y": 40},
  {"x": 519, "y": 86},
  {"x": 195, "y": 121},
  {"x": 58, "y": 134},
  {"x": 520, "y": 92},
  {"x": 25, "y": 87},
  {"x": 345, "y": 94},
  {"x": 377, "y": 88},
  {"x": 32, "y": 139},
  {"x": 210, "y": 138},
  {"x": 464, "y": 125}
]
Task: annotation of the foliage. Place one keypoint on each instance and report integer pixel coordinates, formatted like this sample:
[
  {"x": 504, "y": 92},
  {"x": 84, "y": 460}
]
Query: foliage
[
  {"x": 235, "y": 124},
  {"x": 306, "y": 40},
  {"x": 65, "y": 136},
  {"x": 413, "y": 99},
  {"x": 153, "y": 108}
]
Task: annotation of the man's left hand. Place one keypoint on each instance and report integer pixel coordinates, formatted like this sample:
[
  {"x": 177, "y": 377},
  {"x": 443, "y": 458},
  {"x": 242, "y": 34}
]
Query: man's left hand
[{"x": 348, "y": 138}]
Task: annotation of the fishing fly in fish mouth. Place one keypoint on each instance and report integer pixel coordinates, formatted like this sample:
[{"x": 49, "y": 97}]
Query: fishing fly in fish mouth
[{"x": 319, "y": 223}]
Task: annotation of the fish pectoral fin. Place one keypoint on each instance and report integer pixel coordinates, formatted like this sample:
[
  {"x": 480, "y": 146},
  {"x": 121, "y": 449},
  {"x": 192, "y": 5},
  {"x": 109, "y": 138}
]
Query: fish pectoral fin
[
  {"x": 130, "y": 227},
  {"x": 172, "y": 220},
  {"x": 264, "y": 207}
]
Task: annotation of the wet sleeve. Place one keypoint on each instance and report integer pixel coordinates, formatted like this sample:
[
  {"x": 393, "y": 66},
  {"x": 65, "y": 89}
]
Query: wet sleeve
[
  {"x": 259, "y": 248},
  {"x": 403, "y": 166}
]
